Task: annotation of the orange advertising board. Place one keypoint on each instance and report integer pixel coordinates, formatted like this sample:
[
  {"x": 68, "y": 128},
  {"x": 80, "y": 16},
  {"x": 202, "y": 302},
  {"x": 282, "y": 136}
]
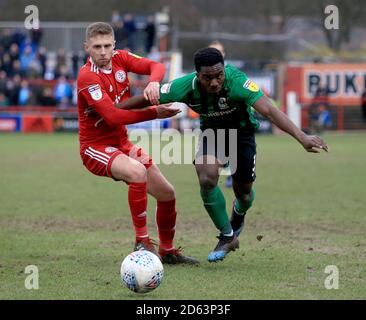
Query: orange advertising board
[{"x": 345, "y": 82}]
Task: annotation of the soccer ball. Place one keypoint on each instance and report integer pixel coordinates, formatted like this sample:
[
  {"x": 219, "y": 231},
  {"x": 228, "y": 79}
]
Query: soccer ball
[{"x": 141, "y": 271}]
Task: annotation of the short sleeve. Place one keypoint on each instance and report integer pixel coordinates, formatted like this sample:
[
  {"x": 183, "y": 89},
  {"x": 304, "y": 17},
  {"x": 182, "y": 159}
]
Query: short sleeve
[
  {"x": 176, "y": 90},
  {"x": 90, "y": 87},
  {"x": 245, "y": 90}
]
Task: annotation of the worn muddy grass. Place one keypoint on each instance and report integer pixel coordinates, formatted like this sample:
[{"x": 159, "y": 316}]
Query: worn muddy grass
[{"x": 75, "y": 227}]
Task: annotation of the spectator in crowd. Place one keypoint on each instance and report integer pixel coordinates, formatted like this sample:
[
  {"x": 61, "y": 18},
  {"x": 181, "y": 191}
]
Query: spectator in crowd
[
  {"x": 6, "y": 39},
  {"x": 36, "y": 36},
  {"x": 4, "y": 102},
  {"x": 3, "y": 80},
  {"x": 12, "y": 89},
  {"x": 42, "y": 58},
  {"x": 27, "y": 42},
  {"x": 129, "y": 25},
  {"x": 24, "y": 93},
  {"x": 62, "y": 90},
  {"x": 219, "y": 46},
  {"x": 64, "y": 71},
  {"x": 120, "y": 34},
  {"x": 18, "y": 37},
  {"x": 14, "y": 52},
  {"x": 75, "y": 64},
  {"x": 16, "y": 69},
  {"x": 7, "y": 64},
  {"x": 46, "y": 97},
  {"x": 74, "y": 99},
  {"x": 26, "y": 60},
  {"x": 149, "y": 33},
  {"x": 320, "y": 98},
  {"x": 363, "y": 105},
  {"x": 61, "y": 61},
  {"x": 324, "y": 119},
  {"x": 2, "y": 51},
  {"x": 116, "y": 17}
]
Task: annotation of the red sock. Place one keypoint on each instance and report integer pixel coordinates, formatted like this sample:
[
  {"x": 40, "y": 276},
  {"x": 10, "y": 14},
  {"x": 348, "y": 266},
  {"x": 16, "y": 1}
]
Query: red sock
[
  {"x": 165, "y": 219},
  {"x": 137, "y": 200}
]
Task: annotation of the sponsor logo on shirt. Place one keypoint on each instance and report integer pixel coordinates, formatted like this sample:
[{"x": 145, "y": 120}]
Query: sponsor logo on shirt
[
  {"x": 95, "y": 92},
  {"x": 218, "y": 113},
  {"x": 120, "y": 76},
  {"x": 110, "y": 88},
  {"x": 251, "y": 86},
  {"x": 165, "y": 88}
]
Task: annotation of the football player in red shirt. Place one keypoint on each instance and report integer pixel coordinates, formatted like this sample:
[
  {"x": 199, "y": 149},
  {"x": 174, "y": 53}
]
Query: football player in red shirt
[{"x": 104, "y": 145}]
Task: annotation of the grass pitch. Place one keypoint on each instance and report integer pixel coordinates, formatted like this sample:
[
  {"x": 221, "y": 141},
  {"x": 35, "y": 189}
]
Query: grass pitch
[{"x": 76, "y": 228}]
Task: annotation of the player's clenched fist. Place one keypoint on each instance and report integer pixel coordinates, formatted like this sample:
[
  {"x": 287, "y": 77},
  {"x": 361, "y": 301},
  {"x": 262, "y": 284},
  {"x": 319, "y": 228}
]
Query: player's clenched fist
[{"x": 166, "y": 111}]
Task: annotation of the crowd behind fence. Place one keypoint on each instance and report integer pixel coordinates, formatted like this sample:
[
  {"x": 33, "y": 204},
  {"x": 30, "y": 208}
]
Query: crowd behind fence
[{"x": 39, "y": 67}]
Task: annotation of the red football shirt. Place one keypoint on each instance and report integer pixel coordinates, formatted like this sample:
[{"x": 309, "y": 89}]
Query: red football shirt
[{"x": 100, "y": 122}]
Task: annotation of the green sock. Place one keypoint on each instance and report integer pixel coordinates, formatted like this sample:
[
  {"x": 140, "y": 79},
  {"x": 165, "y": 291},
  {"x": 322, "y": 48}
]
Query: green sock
[
  {"x": 215, "y": 204},
  {"x": 242, "y": 207}
]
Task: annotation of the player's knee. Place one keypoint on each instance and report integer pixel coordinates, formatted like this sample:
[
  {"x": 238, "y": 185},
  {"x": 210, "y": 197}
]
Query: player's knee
[
  {"x": 170, "y": 192},
  {"x": 245, "y": 198},
  {"x": 137, "y": 173},
  {"x": 167, "y": 193},
  {"x": 207, "y": 182}
]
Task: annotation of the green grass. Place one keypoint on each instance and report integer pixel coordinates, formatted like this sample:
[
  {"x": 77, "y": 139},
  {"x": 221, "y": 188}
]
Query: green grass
[{"x": 310, "y": 210}]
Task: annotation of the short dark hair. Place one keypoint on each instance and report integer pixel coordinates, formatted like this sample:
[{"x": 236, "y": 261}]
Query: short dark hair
[
  {"x": 207, "y": 57},
  {"x": 98, "y": 28}
]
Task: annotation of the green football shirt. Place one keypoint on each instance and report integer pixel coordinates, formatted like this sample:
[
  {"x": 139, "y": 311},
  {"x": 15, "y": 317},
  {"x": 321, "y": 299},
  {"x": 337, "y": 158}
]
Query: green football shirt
[{"x": 230, "y": 109}]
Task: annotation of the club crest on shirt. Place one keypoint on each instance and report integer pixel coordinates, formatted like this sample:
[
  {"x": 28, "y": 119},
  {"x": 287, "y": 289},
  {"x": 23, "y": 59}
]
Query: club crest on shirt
[
  {"x": 110, "y": 149},
  {"x": 222, "y": 103},
  {"x": 251, "y": 86},
  {"x": 120, "y": 76},
  {"x": 95, "y": 92}
]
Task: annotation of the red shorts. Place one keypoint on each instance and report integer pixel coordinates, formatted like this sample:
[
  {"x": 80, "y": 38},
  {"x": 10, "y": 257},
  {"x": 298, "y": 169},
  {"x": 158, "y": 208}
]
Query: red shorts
[{"x": 98, "y": 158}]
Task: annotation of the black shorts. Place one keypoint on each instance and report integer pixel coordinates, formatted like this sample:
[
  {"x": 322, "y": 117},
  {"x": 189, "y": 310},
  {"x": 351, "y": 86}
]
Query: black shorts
[{"x": 231, "y": 148}]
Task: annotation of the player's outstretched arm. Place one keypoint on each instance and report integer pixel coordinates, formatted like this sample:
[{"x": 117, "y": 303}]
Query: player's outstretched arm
[
  {"x": 311, "y": 143},
  {"x": 166, "y": 111},
  {"x": 136, "y": 102},
  {"x": 139, "y": 102}
]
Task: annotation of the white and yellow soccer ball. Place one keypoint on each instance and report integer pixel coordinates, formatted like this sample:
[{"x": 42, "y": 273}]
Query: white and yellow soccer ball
[{"x": 142, "y": 271}]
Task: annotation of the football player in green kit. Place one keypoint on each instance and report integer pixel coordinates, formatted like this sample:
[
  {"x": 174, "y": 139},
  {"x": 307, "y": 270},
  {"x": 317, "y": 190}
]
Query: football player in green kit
[{"x": 224, "y": 97}]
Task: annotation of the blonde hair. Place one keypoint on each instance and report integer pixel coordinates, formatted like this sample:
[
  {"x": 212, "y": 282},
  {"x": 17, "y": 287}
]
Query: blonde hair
[
  {"x": 98, "y": 28},
  {"x": 218, "y": 45}
]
